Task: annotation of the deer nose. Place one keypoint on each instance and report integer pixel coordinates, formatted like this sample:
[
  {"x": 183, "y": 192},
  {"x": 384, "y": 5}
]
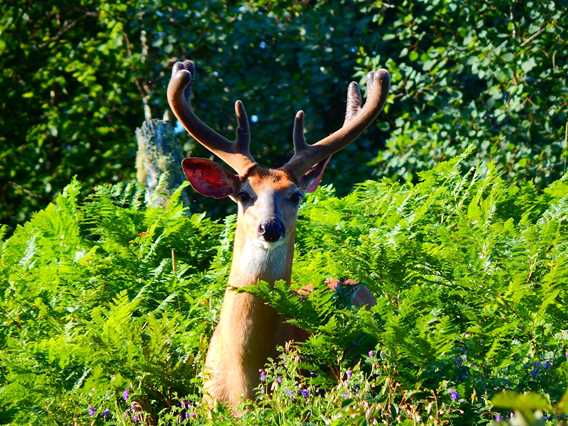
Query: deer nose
[{"x": 271, "y": 230}]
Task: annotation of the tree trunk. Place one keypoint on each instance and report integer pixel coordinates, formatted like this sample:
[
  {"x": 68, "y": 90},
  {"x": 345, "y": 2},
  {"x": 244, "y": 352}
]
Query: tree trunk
[{"x": 158, "y": 161}]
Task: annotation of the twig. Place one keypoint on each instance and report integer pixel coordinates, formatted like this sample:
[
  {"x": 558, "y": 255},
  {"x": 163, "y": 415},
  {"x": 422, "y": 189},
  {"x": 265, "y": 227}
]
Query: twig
[{"x": 532, "y": 37}]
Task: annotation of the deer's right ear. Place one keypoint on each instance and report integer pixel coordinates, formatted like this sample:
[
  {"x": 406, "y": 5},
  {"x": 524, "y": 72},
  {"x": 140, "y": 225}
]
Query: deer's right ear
[{"x": 208, "y": 178}]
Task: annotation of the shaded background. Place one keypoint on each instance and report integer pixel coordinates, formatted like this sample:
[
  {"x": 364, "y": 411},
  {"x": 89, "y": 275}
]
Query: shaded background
[{"x": 76, "y": 79}]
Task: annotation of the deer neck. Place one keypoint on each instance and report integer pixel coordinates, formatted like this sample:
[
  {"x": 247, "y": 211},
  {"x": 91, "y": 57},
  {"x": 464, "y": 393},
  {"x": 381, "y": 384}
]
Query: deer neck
[{"x": 248, "y": 328}]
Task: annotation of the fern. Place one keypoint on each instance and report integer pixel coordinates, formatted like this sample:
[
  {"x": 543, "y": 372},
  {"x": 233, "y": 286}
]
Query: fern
[{"x": 103, "y": 295}]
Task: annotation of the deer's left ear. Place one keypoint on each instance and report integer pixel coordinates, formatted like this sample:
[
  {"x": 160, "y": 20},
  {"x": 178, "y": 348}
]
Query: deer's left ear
[
  {"x": 208, "y": 178},
  {"x": 311, "y": 180}
]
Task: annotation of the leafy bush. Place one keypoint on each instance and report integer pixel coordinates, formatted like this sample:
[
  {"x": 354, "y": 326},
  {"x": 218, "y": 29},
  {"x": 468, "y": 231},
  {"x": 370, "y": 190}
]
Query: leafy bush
[
  {"x": 107, "y": 306},
  {"x": 489, "y": 74},
  {"x": 79, "y": 76}
]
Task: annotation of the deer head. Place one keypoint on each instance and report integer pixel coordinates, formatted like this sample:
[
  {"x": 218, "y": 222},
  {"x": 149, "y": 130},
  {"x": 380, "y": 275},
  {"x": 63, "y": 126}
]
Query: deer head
[{"x": 267, "y": 198}]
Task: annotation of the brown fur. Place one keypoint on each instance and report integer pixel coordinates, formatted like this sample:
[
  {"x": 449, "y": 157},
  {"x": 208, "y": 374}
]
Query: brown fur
[{"x": 249, "y": 330}]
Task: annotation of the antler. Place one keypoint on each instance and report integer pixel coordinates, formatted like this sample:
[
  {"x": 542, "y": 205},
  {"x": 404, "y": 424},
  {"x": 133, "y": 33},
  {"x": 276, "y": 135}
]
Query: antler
[
  {"x": 357, "y": 119},
  {"x": 235, "y": 154}
]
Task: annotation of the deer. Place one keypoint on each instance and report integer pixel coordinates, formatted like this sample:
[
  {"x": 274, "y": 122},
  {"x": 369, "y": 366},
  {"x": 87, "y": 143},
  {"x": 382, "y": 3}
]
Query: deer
[{"x": 249, "y": 331}]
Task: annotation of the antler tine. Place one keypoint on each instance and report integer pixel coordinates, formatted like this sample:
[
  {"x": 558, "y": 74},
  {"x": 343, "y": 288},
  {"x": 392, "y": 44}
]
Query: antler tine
[
  {"x": 298, "y": 134},
  {"x": 357, "y": 119},
  {"x": 243, "y": 129},
  {"x": 235, "y": 154},
  {"x": 354, "y": 101}
]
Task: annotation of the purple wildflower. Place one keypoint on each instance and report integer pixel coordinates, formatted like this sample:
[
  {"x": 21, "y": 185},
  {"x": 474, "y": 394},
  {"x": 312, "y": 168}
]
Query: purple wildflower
[
  {"x": 304, "y": 392},
  {"x": 135, "y": 418},
  {"x": 185, "y": 404},
  {"x": 106, "y": 413},
  {"x": 454, "y": 395},
  {"x": 345, "y": 395},
  {"x": 187, "y": 415},
  {"x": 289, "y": 393},
  {"x": 348, "y": 374},
  {"x": 125, "y": 394},
  {"x": 498, "y": 417},
  {"x": 92, "y": 410},
  {"x": 279, "y": 380},
  {"x": 262, "y": 375},
  {"x": 371, "y": 354},
  {"x": 546, "y": 365}
]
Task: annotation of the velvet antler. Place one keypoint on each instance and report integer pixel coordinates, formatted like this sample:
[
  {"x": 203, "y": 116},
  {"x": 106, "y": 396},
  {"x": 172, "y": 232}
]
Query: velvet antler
[
  {"x": 236, "y": 154},
  {"x": 357, "y": 118}
]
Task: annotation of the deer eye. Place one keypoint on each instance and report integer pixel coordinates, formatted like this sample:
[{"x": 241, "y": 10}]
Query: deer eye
[
  {"x": 295, "y": 197},
  {"x": 244, "y": 197}
]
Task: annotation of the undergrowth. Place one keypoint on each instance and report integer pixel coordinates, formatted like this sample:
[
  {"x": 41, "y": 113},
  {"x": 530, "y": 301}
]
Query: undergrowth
[{"x": 108, "y": 306}]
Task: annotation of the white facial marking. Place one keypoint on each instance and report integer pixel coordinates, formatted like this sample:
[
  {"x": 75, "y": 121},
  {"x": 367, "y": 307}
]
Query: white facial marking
[{"x": 264, "y": 259}]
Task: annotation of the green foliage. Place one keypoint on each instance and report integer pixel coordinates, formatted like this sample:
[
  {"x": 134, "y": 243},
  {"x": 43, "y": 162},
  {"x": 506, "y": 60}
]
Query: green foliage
[
  {"x": 524, "y": 405},
  {"x": 467, "y": 259},
  {"x": 99, "y": 296},
  {"x": 490, "y": 74},
  {"x": 76, "y": 77},
  {"x": 103, "y": 295}
]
